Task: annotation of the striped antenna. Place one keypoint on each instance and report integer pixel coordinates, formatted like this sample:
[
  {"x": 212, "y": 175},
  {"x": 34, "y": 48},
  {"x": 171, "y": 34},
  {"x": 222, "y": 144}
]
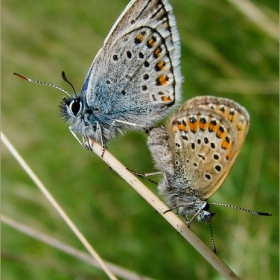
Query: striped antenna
[
  {"x": 44, "y": 83},
  {"x": 212, "y": 237},
  {"x": 240, "y": 208}
]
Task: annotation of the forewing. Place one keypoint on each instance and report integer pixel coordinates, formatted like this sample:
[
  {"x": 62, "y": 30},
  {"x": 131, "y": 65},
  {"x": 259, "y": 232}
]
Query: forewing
[{"x": 136, "y": 74}]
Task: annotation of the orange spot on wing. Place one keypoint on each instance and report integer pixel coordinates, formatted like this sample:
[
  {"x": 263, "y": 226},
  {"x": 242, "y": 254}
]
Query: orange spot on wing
[
  {"x": 157, "y": 52},
  {"x": 203, "y": 126},
  {"x": 193, "y": 126},
  {"x": 160, "y": 65},
  {"x": 213, "y": 127},
  {"x": 139, "y": 38},
  {"x": 162, "y": 80},
  {"x": 151, "y": 43},
  {"x": 182, "y": 127},
  {"x": 225, "y": 144},
  {"x": 165, "y": 98},
  {"x": 220, "y": 133}
]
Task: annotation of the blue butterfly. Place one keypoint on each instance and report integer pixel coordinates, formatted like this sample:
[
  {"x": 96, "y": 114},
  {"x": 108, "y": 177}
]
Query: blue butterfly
[{"x": 134, "y": 80}]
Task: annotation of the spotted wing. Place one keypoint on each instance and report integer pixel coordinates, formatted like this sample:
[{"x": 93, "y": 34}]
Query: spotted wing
[
  {"x": 207, "y": 135},
  {"x": 136, "y": 77}
]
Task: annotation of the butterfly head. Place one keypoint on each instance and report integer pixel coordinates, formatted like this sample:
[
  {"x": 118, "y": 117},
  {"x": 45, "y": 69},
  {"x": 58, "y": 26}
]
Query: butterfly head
[
  {"x": 71, "y": 109},
  {"x": 204, "y": 215}
]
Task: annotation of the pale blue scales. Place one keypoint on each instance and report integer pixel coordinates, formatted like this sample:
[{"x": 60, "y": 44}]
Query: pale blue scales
[{"x": 134, "y": 80}]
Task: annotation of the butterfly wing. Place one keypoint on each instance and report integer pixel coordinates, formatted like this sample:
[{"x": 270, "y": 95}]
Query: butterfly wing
[
  {"x": 229, "y": 109},
  {"x": 207, "y": 134},
  {"x": 135, "y": 76}
]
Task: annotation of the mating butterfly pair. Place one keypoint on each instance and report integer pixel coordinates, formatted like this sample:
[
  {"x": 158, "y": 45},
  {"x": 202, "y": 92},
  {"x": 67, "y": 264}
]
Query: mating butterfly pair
[{"x": 135, "y": 81}]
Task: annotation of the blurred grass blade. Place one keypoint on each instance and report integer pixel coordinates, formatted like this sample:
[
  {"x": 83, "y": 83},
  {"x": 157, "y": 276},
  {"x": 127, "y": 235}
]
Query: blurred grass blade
[
  {"x": 257, "y": 16},
  {"x": 40, "y": 185},
  {"x": 119, "y": 271}
]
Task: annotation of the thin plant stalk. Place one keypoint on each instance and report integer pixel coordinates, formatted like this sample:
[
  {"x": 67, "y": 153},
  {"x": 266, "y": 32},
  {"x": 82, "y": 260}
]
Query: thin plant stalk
[
  {"x": 160, "y": 207},
  {"x": 53, "y": 202}
]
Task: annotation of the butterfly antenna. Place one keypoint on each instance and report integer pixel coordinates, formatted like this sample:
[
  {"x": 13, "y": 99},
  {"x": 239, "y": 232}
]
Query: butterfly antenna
[
  {"x": 212, "y": 238},
  {"x": 67, "y": 81},
  {"x": 243, "y": 209},
  {"x": 41, "y": 83}
]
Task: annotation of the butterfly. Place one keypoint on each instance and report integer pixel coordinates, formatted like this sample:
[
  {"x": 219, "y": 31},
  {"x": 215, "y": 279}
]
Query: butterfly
[
  {"x": 134, "y": 80},
  {"x": 195, "y": 152}
]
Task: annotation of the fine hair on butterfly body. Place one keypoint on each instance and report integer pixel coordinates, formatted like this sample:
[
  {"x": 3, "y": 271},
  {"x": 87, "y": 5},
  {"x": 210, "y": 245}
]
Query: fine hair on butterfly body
[
  {"x": 135, "y": 78},
  {"x": 196, "y": 151}
]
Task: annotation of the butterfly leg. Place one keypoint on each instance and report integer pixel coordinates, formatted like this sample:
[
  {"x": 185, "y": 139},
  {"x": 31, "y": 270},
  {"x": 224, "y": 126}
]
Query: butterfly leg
[
  {"x": 146, "y": 128},
  {"x": 102, "y": 142},
  {"x": 177, "y": 207},
  {"x": 145, "y": 175},
  {"x": 124, "y": 122},
  {"x": 196, "y": 214},
  {"x": 85, "y": 143}
]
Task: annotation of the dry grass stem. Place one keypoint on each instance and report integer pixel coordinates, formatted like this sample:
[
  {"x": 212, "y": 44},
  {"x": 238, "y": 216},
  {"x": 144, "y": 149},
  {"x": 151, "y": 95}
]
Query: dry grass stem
[
  {"x": 160, "y": 207},
  {"x": 64, "y": 216}
]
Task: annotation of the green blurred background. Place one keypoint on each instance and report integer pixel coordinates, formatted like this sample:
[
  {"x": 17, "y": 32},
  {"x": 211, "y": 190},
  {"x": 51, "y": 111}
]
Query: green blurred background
[{"x": 223, "y": 54}]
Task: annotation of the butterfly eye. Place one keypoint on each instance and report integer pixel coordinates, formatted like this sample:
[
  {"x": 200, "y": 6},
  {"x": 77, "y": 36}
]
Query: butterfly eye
[{"x": 75, "y": 107}]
